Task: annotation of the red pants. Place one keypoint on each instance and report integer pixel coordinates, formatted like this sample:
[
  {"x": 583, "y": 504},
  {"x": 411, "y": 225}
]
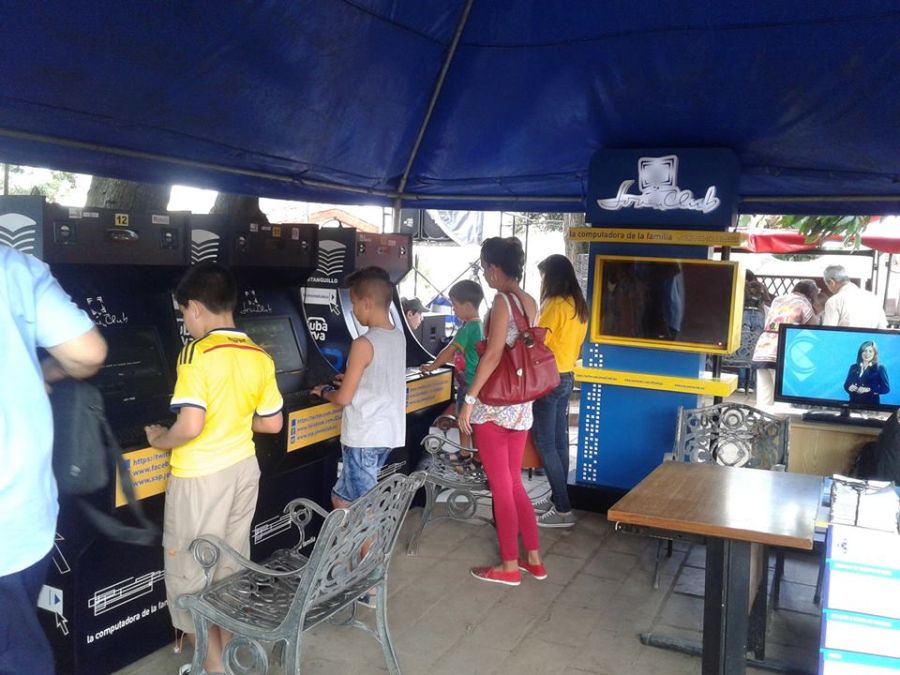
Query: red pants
[{"x": 501, "y": 451}]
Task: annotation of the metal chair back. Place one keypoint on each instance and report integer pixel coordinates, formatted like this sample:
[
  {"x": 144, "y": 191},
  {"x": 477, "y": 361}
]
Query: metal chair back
[
  {"x": 354, "y": 547},
  {"x": 752, "y": 323},
  {"x": 731, "y": 434}
]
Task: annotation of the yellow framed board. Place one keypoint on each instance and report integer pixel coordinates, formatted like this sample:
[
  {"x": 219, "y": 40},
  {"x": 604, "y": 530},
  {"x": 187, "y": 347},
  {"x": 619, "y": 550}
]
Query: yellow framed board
[
  {"x": 631, "y": 286},
  {"x": 429, "y": 391},
  {"x": 629, "y": 235},
  {"x": 149, "y": 469},
  {"x": 705, "y": 385},
  {"x": 313, "y": 425},
  {"x": 323, "y": 422}
]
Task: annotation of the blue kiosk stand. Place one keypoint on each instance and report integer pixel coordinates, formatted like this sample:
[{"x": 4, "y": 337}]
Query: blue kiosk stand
[{"x": 649, "y": 204}]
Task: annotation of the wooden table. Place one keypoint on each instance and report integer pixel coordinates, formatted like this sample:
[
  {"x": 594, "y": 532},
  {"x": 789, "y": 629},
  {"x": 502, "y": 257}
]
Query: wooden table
[{"x": 733, "y": 508}]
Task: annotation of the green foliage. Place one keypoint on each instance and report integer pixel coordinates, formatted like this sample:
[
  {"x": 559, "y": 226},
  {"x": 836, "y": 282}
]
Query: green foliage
[
  {"x": 817, "y": 228},
  {"x": 545, "y": 222},
  {"x": 814, "y": 228},
  {"x": 21, "y": 182}
]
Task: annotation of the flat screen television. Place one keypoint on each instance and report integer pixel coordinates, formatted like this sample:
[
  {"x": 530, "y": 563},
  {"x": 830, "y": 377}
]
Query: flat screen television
[
  {"x": 680, "y": 304},
  {"x": 276, "y": 335},
  {"x": 837, "y": 367}
]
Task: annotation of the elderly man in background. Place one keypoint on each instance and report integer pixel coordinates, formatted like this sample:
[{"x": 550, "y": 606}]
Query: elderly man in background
[{"x": 849, "y": 305}]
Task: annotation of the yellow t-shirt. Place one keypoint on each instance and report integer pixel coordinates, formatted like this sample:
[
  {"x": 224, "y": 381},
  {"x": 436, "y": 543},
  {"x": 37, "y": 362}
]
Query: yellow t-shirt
[
  {"x": 232, "y": 379},
  {"x": 566, "y": 331}
]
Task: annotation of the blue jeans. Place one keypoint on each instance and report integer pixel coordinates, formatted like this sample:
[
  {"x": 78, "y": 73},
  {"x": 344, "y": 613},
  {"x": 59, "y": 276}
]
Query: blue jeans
[
  {"x": 360, "y": 471},
  {"x": 23, "y": 644},
  {"x": 550, "y": 433}
]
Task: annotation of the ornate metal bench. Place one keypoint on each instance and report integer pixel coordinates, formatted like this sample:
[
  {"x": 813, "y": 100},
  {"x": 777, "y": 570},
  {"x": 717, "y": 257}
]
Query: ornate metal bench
[
  {"x": 277, "y": 601},
  {"x": 467, "y": 488},
  {"x": 468, "y": 495}
]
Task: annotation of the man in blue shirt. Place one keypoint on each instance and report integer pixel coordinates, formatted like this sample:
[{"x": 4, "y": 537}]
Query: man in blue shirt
[{"x": 34, "y": 312}]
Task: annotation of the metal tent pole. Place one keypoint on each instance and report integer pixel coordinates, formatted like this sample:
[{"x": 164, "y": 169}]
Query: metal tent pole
[
  {"x": 717, "y": 358},
  {"x": 435, "y": 95}
]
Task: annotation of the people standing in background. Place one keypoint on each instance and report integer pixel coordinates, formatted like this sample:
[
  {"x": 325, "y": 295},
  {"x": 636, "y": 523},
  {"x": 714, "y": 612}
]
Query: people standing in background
[
  {"x": 819, "y": 305},
  {"x": 34, "y": 312},
  {"x": 564, "y": 313},
  {"x": 760, "y": 289},
  {"x": 413, "y": 309},
  {"x": 501, "y": 431},
  {"x": 849, "y": 305},
  {"x": 794, "y": 308}
]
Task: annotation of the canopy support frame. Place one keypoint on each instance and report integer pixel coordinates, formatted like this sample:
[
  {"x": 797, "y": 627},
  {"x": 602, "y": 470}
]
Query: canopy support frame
[{"x": 429, "y": 112}]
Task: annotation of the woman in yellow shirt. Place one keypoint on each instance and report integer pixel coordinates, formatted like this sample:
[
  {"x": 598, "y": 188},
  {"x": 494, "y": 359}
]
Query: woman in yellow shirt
[{"x": 564, "y": 312}]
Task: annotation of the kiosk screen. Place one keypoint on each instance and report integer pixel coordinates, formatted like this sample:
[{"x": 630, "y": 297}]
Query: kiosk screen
[
  {"x": 135, "y": 375},
  {"x": 276, "y": 335}
]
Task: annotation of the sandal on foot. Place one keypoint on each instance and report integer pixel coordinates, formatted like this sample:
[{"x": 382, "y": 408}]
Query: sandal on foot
[{"x": 460, "y": 457}]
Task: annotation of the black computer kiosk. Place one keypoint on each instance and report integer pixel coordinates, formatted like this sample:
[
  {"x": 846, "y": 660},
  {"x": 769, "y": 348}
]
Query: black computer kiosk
[
  {"x": 105, "y": 602},
  {"x": 270, "y": 262},
  {"x": 332, "y": 326}
]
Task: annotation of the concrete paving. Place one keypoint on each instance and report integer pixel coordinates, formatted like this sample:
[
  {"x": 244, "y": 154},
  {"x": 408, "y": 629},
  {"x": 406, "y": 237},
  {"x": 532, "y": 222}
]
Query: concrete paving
[{"x": 585, "y": 619}]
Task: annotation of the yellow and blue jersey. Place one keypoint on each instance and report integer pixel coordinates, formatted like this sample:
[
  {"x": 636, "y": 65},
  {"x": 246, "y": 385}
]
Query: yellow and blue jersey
[{"x": 230, "y": 377}]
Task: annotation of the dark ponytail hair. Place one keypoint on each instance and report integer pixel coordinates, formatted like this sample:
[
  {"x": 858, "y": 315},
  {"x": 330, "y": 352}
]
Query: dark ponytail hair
[
  {"x": 559, "y": 281},
  {"x": 506, "y": 253}
]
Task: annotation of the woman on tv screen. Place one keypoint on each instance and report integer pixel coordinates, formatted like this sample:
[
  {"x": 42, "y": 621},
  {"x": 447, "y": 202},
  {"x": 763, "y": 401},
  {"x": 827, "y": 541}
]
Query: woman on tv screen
[{"x": 867, "y": 380}]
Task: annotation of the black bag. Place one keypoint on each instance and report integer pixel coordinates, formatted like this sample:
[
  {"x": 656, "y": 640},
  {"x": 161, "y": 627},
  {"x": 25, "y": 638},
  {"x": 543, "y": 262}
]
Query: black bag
[
  {"x": 86, "y": 457},
  {"x": 880, "y": 459}
]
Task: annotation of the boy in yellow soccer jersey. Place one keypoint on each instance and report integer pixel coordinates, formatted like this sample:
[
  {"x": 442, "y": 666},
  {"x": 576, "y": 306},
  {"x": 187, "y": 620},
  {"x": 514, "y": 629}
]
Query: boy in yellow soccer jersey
[{"x": 225, "y": 391}]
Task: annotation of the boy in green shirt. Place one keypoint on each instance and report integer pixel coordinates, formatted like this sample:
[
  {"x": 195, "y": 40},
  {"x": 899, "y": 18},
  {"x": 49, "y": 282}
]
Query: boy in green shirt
[{"x": 466, "y": 297}]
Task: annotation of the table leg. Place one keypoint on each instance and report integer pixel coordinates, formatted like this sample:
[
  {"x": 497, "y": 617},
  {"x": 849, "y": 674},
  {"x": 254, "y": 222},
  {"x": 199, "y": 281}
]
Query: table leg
[
  {"x": 759, "y": 610},
  {"x": 725, "y": 607}
]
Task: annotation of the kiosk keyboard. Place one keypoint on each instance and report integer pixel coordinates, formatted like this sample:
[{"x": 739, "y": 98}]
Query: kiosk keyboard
[{"x": 134, "y": 436}]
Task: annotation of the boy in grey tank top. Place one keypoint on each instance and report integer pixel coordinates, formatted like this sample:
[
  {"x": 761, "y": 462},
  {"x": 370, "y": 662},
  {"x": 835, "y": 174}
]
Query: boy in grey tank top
[{"x": 372, "y": 390}]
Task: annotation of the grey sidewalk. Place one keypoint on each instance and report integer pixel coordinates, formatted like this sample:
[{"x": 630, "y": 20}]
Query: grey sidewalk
[{"x": 583, "y": 620}]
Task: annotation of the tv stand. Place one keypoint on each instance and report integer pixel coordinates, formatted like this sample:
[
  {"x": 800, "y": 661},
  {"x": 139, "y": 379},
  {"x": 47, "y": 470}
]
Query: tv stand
[{"x": 845, "y": 417}]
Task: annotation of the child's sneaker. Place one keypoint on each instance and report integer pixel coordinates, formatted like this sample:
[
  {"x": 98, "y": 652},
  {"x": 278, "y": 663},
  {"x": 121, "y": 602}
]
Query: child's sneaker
[{"x": 554, "y": 518}]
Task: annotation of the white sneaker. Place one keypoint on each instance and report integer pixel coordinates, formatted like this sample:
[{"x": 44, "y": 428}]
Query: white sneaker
[{"x": 553, "y": 518}]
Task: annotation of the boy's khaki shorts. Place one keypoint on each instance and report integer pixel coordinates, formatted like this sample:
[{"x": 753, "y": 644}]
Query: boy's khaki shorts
[{"x": 221, "y": 504}]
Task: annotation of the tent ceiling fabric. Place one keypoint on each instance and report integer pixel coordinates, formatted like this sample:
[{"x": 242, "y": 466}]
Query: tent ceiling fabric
[{"x": 322, "y": 100}]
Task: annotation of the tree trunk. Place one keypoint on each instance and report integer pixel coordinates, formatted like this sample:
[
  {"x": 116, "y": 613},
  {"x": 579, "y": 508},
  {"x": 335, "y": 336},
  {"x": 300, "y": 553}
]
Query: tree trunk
[
  {"x": 577, "y": 251},
  {"x": 241, "y": 207},
  {"x": 573, "y": 248},
  {"x": 112, "y": 193}
]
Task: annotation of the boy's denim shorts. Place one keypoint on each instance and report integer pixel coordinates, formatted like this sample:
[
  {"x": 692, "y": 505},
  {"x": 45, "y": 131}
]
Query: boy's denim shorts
[{"x": 360, "y": 471}]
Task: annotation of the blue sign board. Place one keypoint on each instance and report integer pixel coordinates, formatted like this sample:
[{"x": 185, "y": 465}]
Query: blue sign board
[{"x": 682, "y": 188}]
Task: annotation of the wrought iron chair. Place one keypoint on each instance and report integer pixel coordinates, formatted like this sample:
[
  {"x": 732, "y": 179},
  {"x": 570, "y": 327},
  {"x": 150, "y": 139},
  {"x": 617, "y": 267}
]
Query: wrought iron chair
[
  {"x": 730, "y": 434},
  {"x": 752, "y": 324},
  {"x": 467, "y": 486},
  {"x": 277, "y": 601}
]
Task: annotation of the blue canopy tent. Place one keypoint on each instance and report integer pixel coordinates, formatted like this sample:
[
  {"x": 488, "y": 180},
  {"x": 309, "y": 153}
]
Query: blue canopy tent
[{"x": 466, "y": 104}]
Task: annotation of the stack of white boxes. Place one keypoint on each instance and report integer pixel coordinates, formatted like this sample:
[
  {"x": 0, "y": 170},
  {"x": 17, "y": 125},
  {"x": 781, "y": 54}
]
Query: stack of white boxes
[{"x": 861, "y": 603}]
